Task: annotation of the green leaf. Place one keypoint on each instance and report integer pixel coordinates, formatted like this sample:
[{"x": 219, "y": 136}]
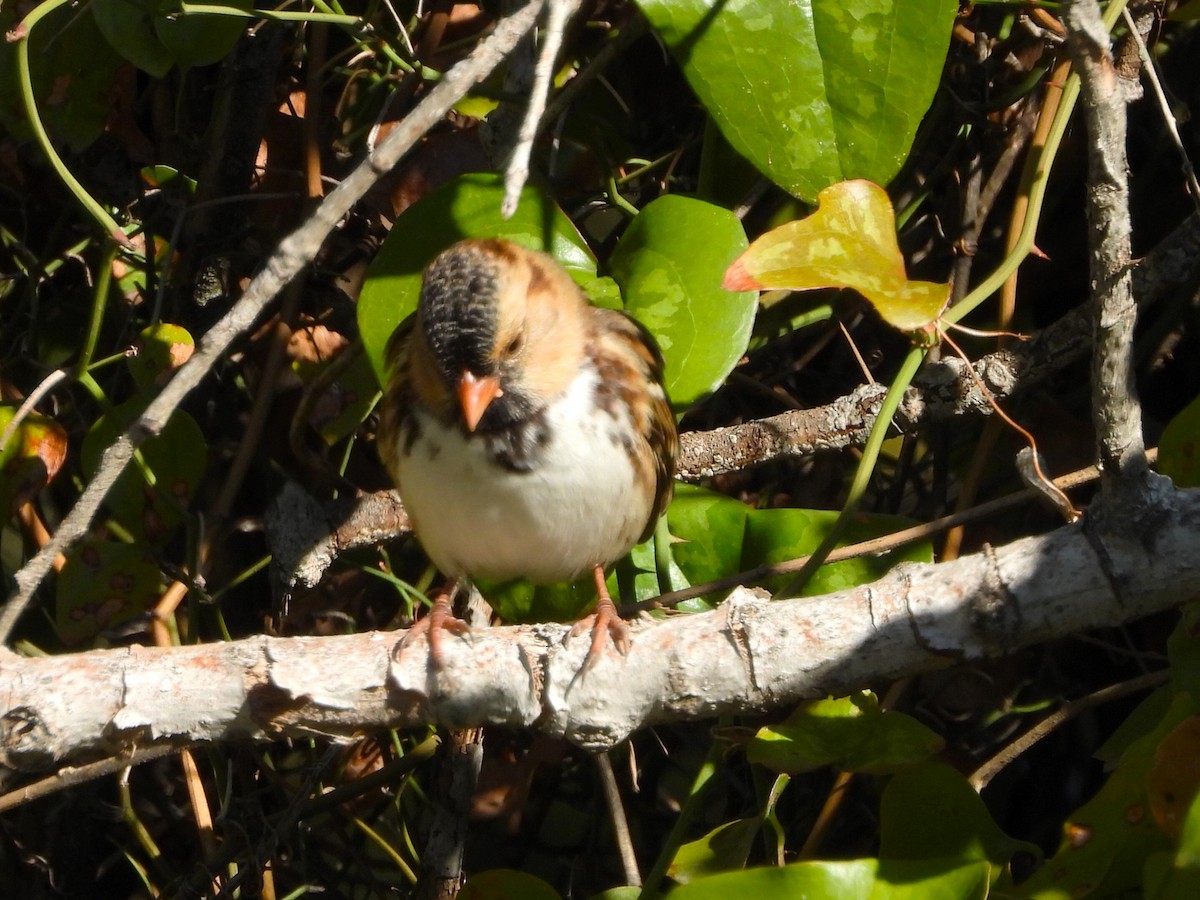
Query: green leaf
[
  {"x": 859, "y": 879},
  {"x": 722, "y": 849},
  {"x": 161, "y": 349},
  {"x": 1107, "y": 841},
  {"x": 506, "y": 884},
  {"x": 1177, "y": 876},
  {"x": 850, "y": 734},
  {"x": 845, "y": 880},
  {"x": 849, "y": 242},
  {"x": 74, "y": 72},
  {"x": 29, "y": 461},
  {"x": 200, "y": 39},
  {"x": 177, "y": 457},
  {"x": 669, "y": 264},
  {"x": 102, "y": 585},
  {"x": 930, "y": 811},
  {"x": 154, "y": 35},
  {"x": 816, "y": 92},
  {"x": 619, "y": 893},
  {"x": 1144, "y": 718},
  {"x": 1183, "y": 649},
  {"x": 128, "y": 25},
  {"x": 779, "y": 535},
  {"x": 930, "y": 879},
  {"x": 710, "y": 528},
  {"x": 1179, "y": 447},
  {"x": 467, "y": 207},
  {"x": 718, "y": 536},
  {"x": 519, "y": 601}
]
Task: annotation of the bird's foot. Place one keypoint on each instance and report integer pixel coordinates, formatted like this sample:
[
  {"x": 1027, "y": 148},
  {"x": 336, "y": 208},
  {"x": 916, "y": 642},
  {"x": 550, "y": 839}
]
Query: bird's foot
[
  {"x": 440, "y": 619},
  {"x": 606, "y": 623}
]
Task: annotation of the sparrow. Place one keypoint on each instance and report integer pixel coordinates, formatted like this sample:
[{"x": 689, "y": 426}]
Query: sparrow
[{"x": 527, "y": 431}]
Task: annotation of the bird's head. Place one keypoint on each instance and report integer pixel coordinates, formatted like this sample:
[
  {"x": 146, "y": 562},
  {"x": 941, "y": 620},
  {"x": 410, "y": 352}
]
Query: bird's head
[{"x": 505, "y": 330}]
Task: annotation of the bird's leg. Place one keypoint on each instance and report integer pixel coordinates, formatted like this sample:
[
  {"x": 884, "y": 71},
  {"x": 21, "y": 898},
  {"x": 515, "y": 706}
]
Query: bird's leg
[
  {"x": 607, "y": 622},
  {"x": 440, "y": 618}
]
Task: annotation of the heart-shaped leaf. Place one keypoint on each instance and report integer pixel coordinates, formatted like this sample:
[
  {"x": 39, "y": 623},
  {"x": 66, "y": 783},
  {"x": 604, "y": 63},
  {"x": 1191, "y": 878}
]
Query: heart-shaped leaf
[
  {"x": 813, "y": 92},
  {"x": 669, "y": 264},
  {"x": 849, "y": 242}
]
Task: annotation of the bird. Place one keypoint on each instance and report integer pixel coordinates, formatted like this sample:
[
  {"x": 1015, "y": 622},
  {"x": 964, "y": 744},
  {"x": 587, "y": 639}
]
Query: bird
[{"x": 528, "y": 432}]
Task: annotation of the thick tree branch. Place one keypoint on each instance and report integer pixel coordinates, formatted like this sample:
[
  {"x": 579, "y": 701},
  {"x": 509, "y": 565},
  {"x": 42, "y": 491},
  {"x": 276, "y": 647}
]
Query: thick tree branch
[{"x": 748, "y": 655}]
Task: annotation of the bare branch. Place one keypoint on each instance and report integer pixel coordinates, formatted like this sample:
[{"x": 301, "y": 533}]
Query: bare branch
[
  {"x": 747, "y": 655},
  {"x": 1116, "y": 411}
]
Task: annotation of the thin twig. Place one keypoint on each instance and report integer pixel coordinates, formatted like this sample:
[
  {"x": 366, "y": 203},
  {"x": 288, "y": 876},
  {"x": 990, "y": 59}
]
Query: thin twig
[
  {"x": 1150, "y": 70},
  {"x": 517, "y": 170},
  {"x": 616, "y": 812},
  {"x": 984, "y": 774},
  {"x": 70, "y": 776},
  {"x": 27, "y": 405}
]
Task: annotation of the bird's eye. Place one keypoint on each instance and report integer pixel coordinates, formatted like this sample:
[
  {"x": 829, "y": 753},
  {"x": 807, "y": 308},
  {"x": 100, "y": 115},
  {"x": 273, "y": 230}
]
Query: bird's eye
[{"x": 515, "y": 345}]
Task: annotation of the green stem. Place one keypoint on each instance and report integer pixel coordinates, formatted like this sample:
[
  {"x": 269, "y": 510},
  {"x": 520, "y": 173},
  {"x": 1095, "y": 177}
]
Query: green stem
[
  {"x": 99, "y": 302},
  {"x": 663, "y": 557},
  {"x": 213, "y": 9},
  {"x": 25, "y": 80},
  {"x": 1037, "y": 193},
  {"x": 691, "y": 808},
  {"x": 614, "y": 195},
  {"x": 866, "y": 467}
]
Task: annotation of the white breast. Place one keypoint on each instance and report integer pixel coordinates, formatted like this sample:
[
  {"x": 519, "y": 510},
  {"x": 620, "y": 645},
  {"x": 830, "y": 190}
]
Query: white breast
[{"x": 576, "y": 509}]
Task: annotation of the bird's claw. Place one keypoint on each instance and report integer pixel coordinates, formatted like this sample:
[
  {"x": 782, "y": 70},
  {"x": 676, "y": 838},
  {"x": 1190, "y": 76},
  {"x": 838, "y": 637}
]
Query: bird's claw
[
  {"x": 441, "y": 618},
  {"x": 606, "y": 622}
]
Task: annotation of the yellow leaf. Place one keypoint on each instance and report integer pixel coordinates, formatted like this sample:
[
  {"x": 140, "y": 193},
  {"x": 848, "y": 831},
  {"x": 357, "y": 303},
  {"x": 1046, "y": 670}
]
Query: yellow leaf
[{"x": 849, "y": 242}]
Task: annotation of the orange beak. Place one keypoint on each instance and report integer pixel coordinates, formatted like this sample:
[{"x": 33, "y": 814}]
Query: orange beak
[{"x": 475, "y": 395}]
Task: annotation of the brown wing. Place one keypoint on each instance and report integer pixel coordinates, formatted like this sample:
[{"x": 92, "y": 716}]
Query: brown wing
[
  {"x": 627, "y": 357},
  {"x": 397, "y": 393}
]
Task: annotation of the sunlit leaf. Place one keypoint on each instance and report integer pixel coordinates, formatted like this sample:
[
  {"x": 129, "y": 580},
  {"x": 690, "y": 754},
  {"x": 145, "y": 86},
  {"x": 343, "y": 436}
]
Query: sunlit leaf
[
  {"x": 849, "y": 242},
  {"x": 816, "y": 92},
  {"x": 850, "y": 734},
  {"x": 506, "y": 884},
  {"x": 669, "y": 264},
  {"x": 160, "y": 350},
  {"x": 846, "y": 880},
  {"x": 725, "y": 847},
  {"x": 858, "y": 879}
]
